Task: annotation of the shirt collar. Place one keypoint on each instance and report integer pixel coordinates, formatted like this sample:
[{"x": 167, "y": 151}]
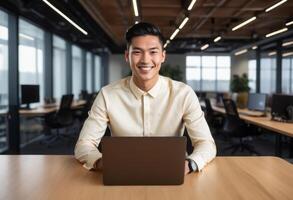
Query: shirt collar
[{"x": 152, "y": 92}]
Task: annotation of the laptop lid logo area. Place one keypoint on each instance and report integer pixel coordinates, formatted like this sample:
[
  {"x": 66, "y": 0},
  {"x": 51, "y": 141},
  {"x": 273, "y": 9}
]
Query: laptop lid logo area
[{"x": 143, "y": 160}]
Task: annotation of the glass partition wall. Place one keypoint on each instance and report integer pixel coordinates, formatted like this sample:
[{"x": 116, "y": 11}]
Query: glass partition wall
[
  {"x": 268, "y": 68},
  {"x": 4, "y": 79},
  {"x": 31, "y": 72},
  {"x": 287, "y": 66},
  {"x": 89, "y": 72},
  {"x": 59, "y": 67},
  {"x": 76, "y": 71},
  {"x": 31, "y": 46},
  {"x": 98, "y": 68}
]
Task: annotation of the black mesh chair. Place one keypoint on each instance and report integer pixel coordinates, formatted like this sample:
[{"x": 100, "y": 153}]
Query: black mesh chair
[
  {"x": 214, "y": 119},
  {"x": 61, "y": 119},
  {"x": 234, "y": 127},
  {"x": 201, "y": 95},
  {"x": 3, "y": 130},
  {"x": 82, "y": 114}
]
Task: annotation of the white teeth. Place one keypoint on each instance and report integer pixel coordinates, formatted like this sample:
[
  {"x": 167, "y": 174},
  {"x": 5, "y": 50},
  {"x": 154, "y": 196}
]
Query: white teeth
[{"x": 145, "y": 67}]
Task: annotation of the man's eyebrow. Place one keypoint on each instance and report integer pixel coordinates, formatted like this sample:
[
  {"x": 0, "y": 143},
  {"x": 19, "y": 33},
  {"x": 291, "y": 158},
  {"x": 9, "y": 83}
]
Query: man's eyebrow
[
  {"x": 137, "y": 48},
  {"x": 152, "y": 48}
]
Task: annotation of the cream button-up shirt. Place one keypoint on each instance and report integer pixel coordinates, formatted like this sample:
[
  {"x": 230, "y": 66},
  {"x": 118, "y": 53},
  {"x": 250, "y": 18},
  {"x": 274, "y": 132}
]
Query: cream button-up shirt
[{"x": 165, "y": 110}]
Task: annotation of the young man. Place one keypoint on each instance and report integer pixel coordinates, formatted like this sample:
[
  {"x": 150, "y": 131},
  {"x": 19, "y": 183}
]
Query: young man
[{"x": 146, "y": 104}]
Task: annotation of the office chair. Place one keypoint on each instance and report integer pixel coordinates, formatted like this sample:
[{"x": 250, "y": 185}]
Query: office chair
[
  {"x": 83, "y": 95},
  {"x": 61, "y": 119},
  {"x": 189, "y": 147},
  {"x": 214, "y": 119},
  {"x": 3, "y": 137},
  {"x": 234, "y": 127},
  {"x": 82, "y": 114},
  {"x": 201, "y": 95}
]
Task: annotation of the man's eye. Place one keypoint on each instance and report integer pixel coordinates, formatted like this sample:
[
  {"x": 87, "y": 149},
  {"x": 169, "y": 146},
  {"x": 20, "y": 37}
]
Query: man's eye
[
  {"x": 136, "y": 52},
  {"x": 154, "y": 52}
]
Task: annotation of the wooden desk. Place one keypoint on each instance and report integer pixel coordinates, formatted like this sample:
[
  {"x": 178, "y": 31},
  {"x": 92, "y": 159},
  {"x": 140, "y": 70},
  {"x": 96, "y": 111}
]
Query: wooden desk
[
  {"x": 280, "y": 128},
  {"x": 36, "y": 177},
  {"x": 41, "y": 111},
  {"x": 3, "y": 112},
  {"x": 264, "y": 122}
]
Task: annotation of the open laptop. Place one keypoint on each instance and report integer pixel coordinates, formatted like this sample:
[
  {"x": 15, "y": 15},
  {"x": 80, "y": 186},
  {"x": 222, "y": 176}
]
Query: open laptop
[
  {"x": 256, "y": 105},
  {"x": 143, "y": 160}
]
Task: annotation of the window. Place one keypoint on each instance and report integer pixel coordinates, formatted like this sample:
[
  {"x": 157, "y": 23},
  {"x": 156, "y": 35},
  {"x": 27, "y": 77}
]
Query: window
[
  {"x": 252, "y": 75},
  {"x": 223, "y": 73},
  {"x": 287, "y": 75},
  {"x": 193, "y": 71},
  {"x": 89, "y": 72},
  {"x": 3, "y": 59},
  {"x": 31, "y": 50},
  {"x": 31, "y": 68},
  {"x": 208, "y": 73},
  {"x": 76, "y": 71},
  {"x": 97, "y": 73},
  {"x": 59, "y": 67},
  {"x": 268, "y": 75},
  {"x": 4, "y": 79}
]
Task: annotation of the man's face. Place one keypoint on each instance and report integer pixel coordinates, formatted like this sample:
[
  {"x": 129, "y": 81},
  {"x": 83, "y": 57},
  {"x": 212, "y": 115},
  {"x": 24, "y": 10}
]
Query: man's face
[{"x": 145, "y": 55}]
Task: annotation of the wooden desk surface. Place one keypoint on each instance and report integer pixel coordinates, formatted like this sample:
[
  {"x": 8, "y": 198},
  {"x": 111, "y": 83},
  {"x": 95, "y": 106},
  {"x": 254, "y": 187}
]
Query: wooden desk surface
[
  {"x": 37, "y": 177},
  {"x": 41, "y": 111},
  {"x": 3, "y": 112},
  {"x": 265, "y": 122}
]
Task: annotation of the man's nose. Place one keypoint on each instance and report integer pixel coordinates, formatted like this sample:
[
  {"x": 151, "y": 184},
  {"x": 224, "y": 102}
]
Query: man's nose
[{"x": 145, "y": 58}]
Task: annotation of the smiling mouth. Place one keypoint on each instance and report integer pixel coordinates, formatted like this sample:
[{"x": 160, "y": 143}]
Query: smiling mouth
[{"x": 145, "y": 68}]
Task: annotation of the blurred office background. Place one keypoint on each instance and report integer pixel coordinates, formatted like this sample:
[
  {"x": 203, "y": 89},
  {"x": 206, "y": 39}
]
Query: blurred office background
[{"x": 206, "y": 43}]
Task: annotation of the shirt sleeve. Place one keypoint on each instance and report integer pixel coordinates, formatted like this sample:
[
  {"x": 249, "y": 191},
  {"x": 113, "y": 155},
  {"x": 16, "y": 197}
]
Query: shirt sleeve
[
  {"x": 198, "y": 131},
  {"x": 86, "y": 148}
]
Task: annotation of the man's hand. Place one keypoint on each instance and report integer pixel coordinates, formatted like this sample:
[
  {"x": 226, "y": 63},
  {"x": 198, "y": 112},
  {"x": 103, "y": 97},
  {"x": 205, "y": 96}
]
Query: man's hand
[
  {"x": 98, "y": 164},
  {"x": 186, "y": 168}
]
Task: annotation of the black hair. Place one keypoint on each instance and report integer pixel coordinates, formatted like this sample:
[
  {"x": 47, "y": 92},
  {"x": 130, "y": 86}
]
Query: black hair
[{"x": 141, "y": 29}]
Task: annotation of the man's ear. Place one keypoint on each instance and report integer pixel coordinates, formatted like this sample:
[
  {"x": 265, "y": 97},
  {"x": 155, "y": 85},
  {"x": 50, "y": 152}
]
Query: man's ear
[{"x": 126, "y": 54}]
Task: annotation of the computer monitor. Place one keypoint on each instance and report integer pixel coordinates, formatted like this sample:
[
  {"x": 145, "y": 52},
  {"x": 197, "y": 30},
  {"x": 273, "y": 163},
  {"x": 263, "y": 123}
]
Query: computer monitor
[
  {"x": 282, "y": 107},
  {"x": 257, "y": 101},
  {"x": 30, "y": 94}
]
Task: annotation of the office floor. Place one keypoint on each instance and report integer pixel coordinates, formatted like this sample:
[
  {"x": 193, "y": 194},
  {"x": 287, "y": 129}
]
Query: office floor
[{"x": 62, "y": 146}]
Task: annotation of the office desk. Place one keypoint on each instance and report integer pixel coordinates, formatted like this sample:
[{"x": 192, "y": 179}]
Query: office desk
[
  {"x": 264, "y": 122},
  {"x": 280, "y": 128},
  {"x": 42, "y": 111},
  {"x": 37, "y": 177},
  {"x": 3, "y": 112}
]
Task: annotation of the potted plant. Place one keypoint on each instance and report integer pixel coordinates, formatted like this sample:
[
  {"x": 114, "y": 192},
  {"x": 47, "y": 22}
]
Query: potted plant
[
  {"x": 239, "y": 85},
  {"x": 174, "y": 73}
]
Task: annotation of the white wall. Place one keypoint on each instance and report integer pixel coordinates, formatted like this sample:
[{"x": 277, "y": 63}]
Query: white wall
[
  {"x": 119, "y": 68},
  {"x": 239, "y": 64}
]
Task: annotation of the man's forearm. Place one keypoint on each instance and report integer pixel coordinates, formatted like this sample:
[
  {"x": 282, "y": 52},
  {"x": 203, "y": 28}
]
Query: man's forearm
[
  {"x": 87, "y": 154},
  {"x": 203, "y": 153}
]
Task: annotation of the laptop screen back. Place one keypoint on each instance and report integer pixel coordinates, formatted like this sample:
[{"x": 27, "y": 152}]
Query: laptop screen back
[
  {"x": 257, "y": 102},
  {"x": 143, "y": 160}
]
